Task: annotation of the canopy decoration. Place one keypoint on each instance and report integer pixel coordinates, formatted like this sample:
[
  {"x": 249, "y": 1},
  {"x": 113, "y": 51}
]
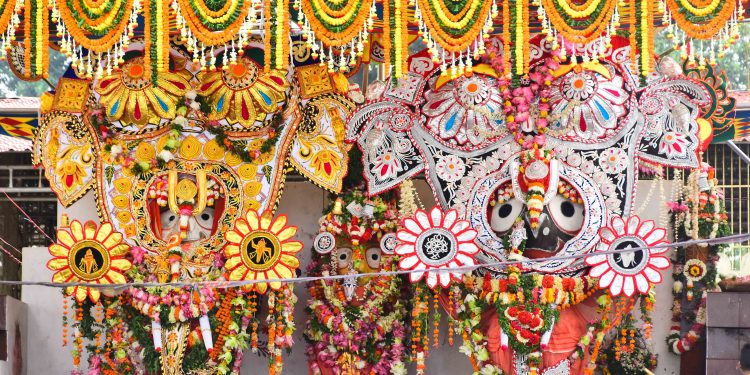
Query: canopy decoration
[{"x": 96, "y": 35}]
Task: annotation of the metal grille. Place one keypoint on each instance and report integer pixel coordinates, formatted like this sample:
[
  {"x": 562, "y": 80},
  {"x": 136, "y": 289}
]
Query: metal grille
[{"x": 734, "y": 178}]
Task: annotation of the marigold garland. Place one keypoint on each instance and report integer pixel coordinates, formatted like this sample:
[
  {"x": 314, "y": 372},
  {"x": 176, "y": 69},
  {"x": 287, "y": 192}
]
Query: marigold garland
[
  {"x": 36, "y": 40},
  {"x": 641, "y": 37},
  {"x": 277, "y": 30},
  {"x": 454, "y": 36},
  {"x": 336, "y": 25},
  {"x": 156, "y": 42},
  {"x": 701, "y": 22},
  {"x": 214, "y": 26},
  {"x": 579, "y": 24},
  {"x": 107, "y": 22}
]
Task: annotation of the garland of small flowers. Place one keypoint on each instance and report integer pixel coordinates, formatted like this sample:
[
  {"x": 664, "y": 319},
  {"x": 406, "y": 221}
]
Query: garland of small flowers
[
  {"x": 701, "y": 21},
  {"x": 641, "y": 36},
  {"x": 239, "y": 148},
  {"x": 700, "y": 214},
  {"x": 579, "y": 23},
  {"x": 376, "y": 338},
  {"x": 628, "y": 352},
  {"x": 107, "y": 22},
  {"x": 214, "y": 23},
  {"x": 36, "y": 40}
]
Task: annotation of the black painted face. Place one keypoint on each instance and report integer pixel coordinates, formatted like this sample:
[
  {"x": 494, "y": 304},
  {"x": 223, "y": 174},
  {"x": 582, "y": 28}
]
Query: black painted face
[{"x": 561, "y": 220}]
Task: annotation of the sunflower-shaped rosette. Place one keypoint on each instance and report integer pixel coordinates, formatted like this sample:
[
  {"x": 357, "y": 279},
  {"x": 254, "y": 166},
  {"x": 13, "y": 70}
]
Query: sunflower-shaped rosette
[
  {"x": 244, "y": 94},
  {"x": 130, "y": 97},
  {"x": 85, "y": 253},
  {"x": 260, "y": 248}
]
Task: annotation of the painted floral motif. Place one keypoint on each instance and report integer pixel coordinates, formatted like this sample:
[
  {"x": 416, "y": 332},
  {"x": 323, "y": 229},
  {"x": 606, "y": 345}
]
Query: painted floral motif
[
  {"x": 87, "y": 254},
  {"x": 386, "y": 165},
  {"x": 673, "y": 144},
  {"x": 466, "y": 112},
  {"x": 597, "y": 103},
  {"x": 243, "y": 93},
  {"x": 613, "y": 160},
  {"x": 259, "y": 248},
  {"x": 130, "y": 97},
  {"x": 450, "y": 168},
  {"x": 434, "y": 241},
  {"x": 627, "y": 271}
]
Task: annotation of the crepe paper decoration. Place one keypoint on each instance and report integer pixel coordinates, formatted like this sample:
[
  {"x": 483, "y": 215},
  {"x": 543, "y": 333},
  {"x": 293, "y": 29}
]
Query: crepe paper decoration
[
  {"x": 259, "y": 248},
  {"x": 85, "y": 253},
  {"x": 629, "y": 271},
  {"x": 434, "y": 241}
]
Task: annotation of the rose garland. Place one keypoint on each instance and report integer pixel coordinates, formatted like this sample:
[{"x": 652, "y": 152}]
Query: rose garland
[
  {"x": 367, "y": 334},
  {"x": 527, "y": 306},
  {"x": 700, "y": 214}
]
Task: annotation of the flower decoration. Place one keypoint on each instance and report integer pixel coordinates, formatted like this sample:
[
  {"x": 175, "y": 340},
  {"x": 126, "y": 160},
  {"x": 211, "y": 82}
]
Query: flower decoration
[
  {"x": 450, "y": 168},
  {"x": 590, "y": 102},
  {"x": 128, "y": 95},
  {"x": 624, "y": 272},
  {"x": 243, "y": 93},
  {"x": 613, "y": 160},
  {"x": 259, "y": 248},
  {"x": 673, "y": 144},
  {"x": 87, "y": 254},
  {"x": 387, "y": 165},
  {"x": 465, "y": 111},
  {"x": 436, "y": 241},
  {"x": 695, "y": 270}
]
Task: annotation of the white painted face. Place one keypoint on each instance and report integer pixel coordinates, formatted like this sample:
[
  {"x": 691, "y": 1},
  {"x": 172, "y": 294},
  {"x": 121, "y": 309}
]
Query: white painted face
[{"x": 199, "y": 227}]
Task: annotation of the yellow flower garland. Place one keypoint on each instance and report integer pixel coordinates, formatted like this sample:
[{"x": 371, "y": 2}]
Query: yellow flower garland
[
  {"x": 700, "y": 11},
  {"x": 572, "y": 34},
  {"x": 336, "y": 38},
  {"x": 703, "y": 30},
  {"x": 113, "y": 30},
  {"x": 7, "y": 11},
  {"x": 579, "y": 11},
  {"x": 209, "y": 37},
  {"x": 436, "y": 21}
]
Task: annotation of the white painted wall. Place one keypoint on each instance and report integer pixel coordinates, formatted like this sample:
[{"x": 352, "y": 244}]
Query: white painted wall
[{"x": 303, "y": 203}]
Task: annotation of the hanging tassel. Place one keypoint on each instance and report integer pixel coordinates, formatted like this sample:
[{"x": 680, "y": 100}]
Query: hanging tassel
[
  {"x": 206, "y": 333},
  {"x": 156, "y": 332}
]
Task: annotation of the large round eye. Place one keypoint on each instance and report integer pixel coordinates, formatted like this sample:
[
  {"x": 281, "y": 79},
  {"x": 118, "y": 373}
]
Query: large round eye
[
  {"x": 566, "y": 215},
  {"x": 502, "y": 216},
  {"x": 372, "y": 255},
  {"x": 206, "y": 218},
  {"x": 344, "y": 257},
  {"x": 168, "y": 220}
]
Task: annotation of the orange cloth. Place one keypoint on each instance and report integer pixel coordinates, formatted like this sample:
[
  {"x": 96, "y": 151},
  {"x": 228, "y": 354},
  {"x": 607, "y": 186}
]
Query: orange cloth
[{"x": 568, "y": 330}]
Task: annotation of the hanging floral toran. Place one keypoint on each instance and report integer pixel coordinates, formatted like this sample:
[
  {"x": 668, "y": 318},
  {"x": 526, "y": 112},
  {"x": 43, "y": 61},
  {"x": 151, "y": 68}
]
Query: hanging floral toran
[{"x": 95, "y": 35}]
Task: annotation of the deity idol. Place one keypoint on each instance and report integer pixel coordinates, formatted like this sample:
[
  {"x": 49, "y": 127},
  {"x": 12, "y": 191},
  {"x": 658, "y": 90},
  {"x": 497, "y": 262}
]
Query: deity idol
[{"x": 356, "y": 324}]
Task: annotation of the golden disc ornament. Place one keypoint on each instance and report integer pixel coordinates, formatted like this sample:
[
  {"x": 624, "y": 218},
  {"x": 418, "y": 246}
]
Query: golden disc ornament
[
  {"x": 85, "y": 253},
  {"x": 259, "y": 248}
]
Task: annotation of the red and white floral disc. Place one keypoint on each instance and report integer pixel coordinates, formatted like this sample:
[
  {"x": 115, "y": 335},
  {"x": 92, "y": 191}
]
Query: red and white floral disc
[
  {"x": 627, "y": 271},
  {"x": 435, "y": 241}
]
